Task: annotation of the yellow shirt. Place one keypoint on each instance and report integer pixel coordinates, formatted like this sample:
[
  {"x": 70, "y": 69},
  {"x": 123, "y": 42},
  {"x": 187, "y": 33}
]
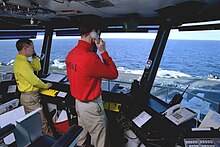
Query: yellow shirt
[{"x": 26, "y": 80}]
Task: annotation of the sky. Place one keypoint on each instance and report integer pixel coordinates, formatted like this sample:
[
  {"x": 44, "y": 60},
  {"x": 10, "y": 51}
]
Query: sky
[{"x": 174, "y": 34}]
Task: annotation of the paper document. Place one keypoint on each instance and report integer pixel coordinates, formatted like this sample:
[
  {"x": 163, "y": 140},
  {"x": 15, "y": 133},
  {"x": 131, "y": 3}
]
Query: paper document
[
  {"x": 141, "y": 119},
  {"x": 54, "y": 77},
  {"x": 62, "y": 94},
  {"x": 11, "y": 89},
  {"x": 212, "y": 119}
]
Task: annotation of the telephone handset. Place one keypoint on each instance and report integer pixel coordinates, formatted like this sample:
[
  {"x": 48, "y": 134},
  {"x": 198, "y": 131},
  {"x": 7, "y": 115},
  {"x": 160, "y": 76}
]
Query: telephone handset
[
  {"x": 95, "y": 36},
  {"x": 34, "y": 54},
  {"x": 178, "y": 97},
  {"x": 178, "y": 114},
  {"x": 170, "y": 110}
]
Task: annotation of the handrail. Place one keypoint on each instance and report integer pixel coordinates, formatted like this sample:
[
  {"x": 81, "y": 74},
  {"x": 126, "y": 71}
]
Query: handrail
[
  {"x": 167, "y": 88},
  {"x": 116, "y": 81},
  {"x": 175, "y": 88}
]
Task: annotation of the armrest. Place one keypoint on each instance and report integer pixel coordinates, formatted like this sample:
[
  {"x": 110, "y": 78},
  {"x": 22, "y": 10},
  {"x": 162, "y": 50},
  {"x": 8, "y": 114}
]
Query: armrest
[
  {"x": 68, "y": 137},
  {"x": 6, "y": 130}
]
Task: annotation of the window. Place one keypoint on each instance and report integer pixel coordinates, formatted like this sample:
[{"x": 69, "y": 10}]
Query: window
[
  {"x": 190, "y": 59},
  {"x": 8, "y": 47},
  {"x": 59, "y": 50},
  {"x": 129, "y": 51}
]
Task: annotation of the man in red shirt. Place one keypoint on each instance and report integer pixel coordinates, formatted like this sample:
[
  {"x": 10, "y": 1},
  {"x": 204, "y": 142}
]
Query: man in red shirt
[{"x": 85, "y": 71}]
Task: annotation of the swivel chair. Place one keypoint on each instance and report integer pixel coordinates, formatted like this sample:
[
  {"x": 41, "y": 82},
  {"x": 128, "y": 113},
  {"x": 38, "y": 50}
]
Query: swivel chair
[{"x": 28, "y": 132}]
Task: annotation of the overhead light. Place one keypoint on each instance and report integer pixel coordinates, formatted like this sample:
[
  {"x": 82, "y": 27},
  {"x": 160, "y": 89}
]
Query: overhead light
[
  {"x": 3, "y": 3},
  {"x": 59, "y": 1}
]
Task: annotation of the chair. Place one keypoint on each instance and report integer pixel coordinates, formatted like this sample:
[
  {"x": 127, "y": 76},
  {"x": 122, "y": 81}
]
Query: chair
[
  {"x": 28, "y": 132},
  {"x": 10, "y": 117}
]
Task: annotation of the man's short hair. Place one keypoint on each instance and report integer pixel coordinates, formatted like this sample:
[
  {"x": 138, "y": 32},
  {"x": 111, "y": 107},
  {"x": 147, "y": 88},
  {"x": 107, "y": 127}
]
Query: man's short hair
[
  {"x": 86, "y": 29},
  {"x": 23, "y": 42}
]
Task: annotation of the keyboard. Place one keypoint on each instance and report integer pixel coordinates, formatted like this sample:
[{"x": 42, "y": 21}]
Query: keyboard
[{"x": 202, "y": 142}]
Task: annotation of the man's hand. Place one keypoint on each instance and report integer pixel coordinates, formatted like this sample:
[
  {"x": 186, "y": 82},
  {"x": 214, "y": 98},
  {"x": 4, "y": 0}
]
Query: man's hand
[
  {"x": 49, "y": 84},
  {"x": 101, "y": 45}
]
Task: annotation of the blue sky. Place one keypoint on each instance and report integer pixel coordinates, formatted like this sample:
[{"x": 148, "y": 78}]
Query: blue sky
[
  {"x": 196, "y": 35},
  {"x": 174, "y": 34}
]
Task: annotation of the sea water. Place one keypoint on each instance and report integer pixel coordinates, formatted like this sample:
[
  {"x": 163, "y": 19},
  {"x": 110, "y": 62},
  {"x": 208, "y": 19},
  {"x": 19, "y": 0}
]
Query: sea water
[{"x": 184, "y": 62}]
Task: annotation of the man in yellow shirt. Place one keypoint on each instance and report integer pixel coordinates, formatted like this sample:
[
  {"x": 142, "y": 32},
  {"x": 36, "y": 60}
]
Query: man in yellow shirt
[{"x": 28, "y": 83}]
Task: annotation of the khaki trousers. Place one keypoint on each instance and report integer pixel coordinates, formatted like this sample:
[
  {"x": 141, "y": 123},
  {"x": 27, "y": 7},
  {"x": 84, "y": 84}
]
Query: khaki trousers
[
  {"x": 92, "y": 118},
  {"x": 31, "y": 101}
]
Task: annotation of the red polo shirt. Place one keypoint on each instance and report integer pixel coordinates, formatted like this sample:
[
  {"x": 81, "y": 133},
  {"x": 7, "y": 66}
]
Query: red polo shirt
[{"x": 85, "y": 71}]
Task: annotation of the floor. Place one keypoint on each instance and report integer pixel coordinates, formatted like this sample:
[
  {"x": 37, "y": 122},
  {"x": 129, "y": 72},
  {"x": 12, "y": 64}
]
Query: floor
[
  {"x": 118, "y": 138},
  {"x": 133, "y": 141}
]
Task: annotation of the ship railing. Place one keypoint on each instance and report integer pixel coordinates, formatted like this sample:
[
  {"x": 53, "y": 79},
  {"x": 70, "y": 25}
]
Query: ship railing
[
  {"x": 166, "y": 93},
  {"x": 169, "y": 92}
]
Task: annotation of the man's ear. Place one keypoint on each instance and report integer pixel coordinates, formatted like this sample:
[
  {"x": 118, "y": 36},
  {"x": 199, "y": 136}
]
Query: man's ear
[{"x": 25, "y": 48}]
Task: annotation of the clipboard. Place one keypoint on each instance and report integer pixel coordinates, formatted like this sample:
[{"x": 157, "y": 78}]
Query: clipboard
[{"x": 49, "y": 92}]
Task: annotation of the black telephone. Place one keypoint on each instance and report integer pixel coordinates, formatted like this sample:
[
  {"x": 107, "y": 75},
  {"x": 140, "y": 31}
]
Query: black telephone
[
  {"x": 34, "y": 54},
  {"x": 178, "y": 98}
]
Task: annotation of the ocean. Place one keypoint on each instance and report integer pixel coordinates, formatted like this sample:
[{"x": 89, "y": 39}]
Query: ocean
[
  {"x": 185, "y": 62},
  {"x": 182, "y": 58}
]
